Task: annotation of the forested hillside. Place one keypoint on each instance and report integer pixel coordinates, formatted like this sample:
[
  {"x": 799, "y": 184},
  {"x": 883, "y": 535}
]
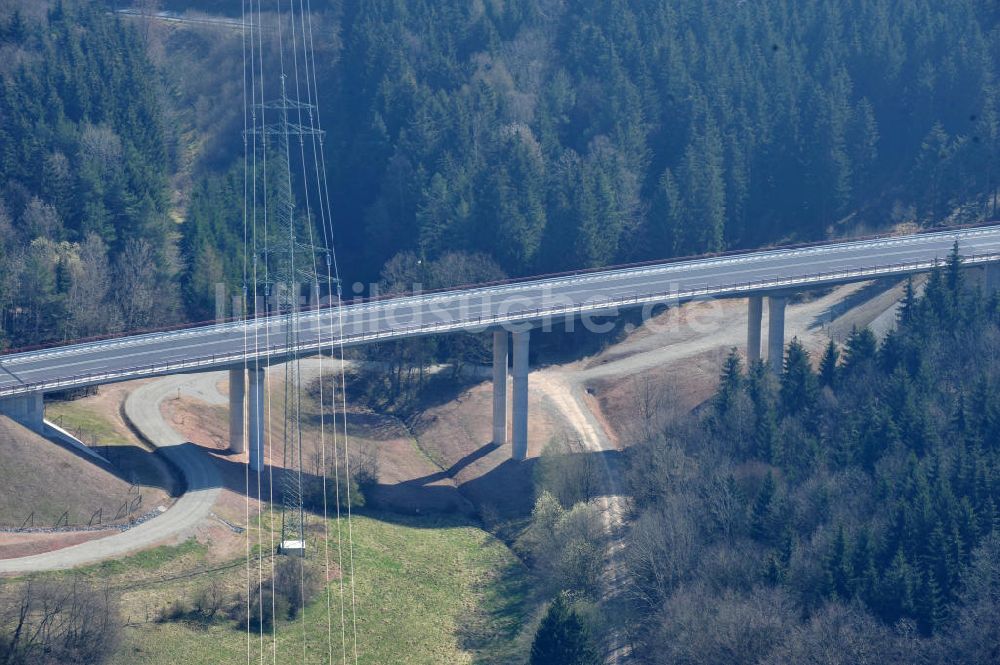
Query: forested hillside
[
  {"x": 555, "y": 135},
  {"x": 850, "y": 510},
  {"x": 564, "y": 134},
  {"x": 548, "y": 134},
  {"x": 86, "y": 246}
]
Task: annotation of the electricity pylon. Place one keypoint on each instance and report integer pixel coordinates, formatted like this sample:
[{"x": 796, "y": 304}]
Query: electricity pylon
[{"x": 289, "y": 261}]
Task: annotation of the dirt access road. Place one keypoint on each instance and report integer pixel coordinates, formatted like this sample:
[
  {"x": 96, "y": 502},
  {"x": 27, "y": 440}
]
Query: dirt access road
[{"x": 142, "y": 408}]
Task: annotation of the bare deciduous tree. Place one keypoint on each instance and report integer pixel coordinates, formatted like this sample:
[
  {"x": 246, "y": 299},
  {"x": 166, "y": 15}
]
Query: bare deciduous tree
[
  {"x": 571, "y": 477},
  {"x": 48, "y": 623},
  {"x": 662, "y": 550},
  {"x": 40, "y": 220},
  {"x": 698, "y": 627},
  {"x": 137, "y": 284},
  {"x": 88, "y": 304},
  {"x": 101, "y": 146}
]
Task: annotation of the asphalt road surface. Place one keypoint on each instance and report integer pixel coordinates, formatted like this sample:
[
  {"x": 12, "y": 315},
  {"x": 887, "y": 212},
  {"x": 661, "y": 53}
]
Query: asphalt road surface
[{"x": 523, "y": 303}]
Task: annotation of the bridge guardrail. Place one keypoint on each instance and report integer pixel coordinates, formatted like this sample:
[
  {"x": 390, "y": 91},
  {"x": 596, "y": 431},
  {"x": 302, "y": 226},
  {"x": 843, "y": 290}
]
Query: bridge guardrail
[
  {"x": 193, "y": 328},
  {"x": 278, "y": 350}
]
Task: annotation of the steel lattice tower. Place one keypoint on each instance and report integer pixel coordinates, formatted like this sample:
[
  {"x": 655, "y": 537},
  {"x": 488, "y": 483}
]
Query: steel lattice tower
[{"x": 288, "y": 264}]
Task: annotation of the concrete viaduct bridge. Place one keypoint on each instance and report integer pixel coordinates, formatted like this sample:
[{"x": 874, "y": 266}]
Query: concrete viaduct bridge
[{"x": 509, "y": 311}]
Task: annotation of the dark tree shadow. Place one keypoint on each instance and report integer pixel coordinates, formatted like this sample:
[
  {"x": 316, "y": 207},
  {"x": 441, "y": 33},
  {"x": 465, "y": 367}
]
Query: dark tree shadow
[{"x": 859, "y": 297}]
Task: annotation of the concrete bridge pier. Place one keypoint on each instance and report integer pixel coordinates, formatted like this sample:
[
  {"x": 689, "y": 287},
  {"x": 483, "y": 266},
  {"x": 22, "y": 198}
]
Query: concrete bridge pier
[
  {"x": 237, "y": 409},
  {"x": 776, "y": 332},
  {"x": 755, "y": 314},
  {"x": 500, "y": 387},
  {"x": 255, "y": 416},
  {"x": 27, "y": 409},
  {"x": 519, "y": 419}
]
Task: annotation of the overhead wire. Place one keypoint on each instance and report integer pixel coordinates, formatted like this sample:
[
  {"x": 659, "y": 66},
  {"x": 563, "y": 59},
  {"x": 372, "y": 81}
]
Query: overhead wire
[
  {"x": 246, "y": 493},
  {"x": 333, "y": 277},
  {"x": 265, "y": 438},
  {"x": 310, "y": 269},
  {"x": 340, "y": 337},
  {"x": 323, "y": 213}
]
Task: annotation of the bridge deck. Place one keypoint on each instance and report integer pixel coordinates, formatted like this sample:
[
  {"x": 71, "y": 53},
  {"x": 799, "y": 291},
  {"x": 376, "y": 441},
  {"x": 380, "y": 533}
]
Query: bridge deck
[{"x": 477, "y": 309}]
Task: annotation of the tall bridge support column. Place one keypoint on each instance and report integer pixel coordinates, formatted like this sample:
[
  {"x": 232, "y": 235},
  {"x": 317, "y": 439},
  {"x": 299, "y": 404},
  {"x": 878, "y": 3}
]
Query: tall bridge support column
[
  {"x": 776, "y": 332},
  {"x": 255, "y": 417},
  {"x": 500, "y": 387},
  {"x": 237, "y": 410},
  {"x": 519, "y": 420},
  {"x": 755, "y": 314},
  {"x": 28, "y": 410}
]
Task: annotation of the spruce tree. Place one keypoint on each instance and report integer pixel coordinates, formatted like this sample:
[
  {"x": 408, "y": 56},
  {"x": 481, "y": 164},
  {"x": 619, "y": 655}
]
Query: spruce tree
[
  {"x": 765, "y": 434},
  {"x": 798, "y": 383},
  {"x": 954, "y": 277},
  {"x": 837, "y": 567},
  {"x": 896, "y": 590},
  {"x": 562, "y": 638},
  {"x": 861, "y": 349},
  {"x": 730, "y": 383},
  {"x": 907, "y": 306},
  {"x": 828, "y": 366},
  {"x": 760, "y": 512}
]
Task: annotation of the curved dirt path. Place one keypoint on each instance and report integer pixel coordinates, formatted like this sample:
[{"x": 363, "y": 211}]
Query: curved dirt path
[
  {"x": 142, "y": 409},
  {"x": 565, "y": 391}
]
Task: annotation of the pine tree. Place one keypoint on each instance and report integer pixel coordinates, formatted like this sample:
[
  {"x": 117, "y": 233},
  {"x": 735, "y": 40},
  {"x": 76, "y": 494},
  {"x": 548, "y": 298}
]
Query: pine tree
[
  {"x": 730, "y": 383},
  {"x": 798, "y": 383},
  {"x": 860, "y": 350},
  {"x": 562, "y": 638},
  {"x": 761, "y": 510},
  {"x": 828, "y": 366},
  {"x": 908, "y": 305}
]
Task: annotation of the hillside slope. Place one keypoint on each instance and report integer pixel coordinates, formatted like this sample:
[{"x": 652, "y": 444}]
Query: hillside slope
[{"x": 42, "y": 477}]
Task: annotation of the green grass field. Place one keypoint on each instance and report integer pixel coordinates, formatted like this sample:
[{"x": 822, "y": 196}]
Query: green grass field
[
  {"x": 83, "y": 421},
  {"x": 427, "y": 590}
]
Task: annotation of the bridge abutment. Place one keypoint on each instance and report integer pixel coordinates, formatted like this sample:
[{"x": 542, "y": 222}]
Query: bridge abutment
[
  {"x": 500, "y": 345},
  {"x": 755, "y": 314},
  {"x": 28, "y": 410},
  {"x": 237, "y": 410},
  {"x": 255, "y": 417},
  {"x": 519, "y": 419},
  {"x": 776, "y": 332}
]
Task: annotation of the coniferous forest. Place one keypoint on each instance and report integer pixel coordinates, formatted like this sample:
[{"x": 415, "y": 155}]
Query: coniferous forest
[
  {"x": 547, "y": 134},
  {"x": 852, "y": 507}
]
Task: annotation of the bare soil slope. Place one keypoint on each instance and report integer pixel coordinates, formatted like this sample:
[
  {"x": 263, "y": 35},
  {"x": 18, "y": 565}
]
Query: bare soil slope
[
  {"x": 408, "y": 482},
  {"x": 42, "y": 477}
]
